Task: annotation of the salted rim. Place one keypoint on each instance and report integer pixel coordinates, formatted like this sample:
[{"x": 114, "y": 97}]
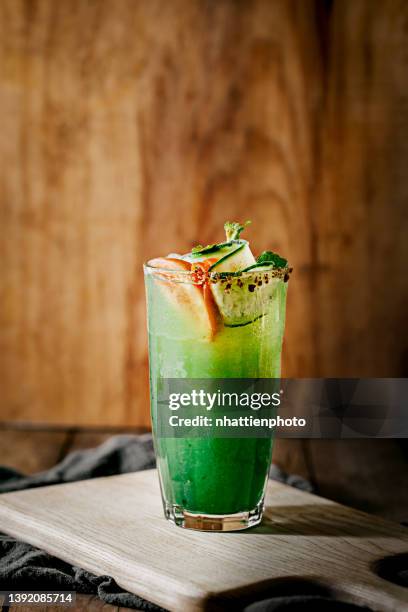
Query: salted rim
[{"x": 283, "y": 273}]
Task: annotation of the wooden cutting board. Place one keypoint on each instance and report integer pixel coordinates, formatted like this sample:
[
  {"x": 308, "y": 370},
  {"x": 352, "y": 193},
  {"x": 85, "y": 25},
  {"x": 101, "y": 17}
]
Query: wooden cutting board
[{"x": 115, "y": 526}]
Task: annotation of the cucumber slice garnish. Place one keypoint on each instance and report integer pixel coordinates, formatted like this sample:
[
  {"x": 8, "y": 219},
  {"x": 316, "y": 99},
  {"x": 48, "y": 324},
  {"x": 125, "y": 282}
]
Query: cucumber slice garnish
[
  {"x": 259, "y": 267},
  {"x": 209, "y": 249},
  {"x": 246, "y": 322},
  {"x": 232, "y": 233},
  {"x": 219, "y": 251},
  {"x": 238, "y": 257},
  {"x": 242, "y": 299},
  {"x": 227, "y": 256}
]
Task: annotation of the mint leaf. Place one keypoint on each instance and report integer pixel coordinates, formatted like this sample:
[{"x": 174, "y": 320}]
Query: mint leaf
[{"x": 272, "y": 259}]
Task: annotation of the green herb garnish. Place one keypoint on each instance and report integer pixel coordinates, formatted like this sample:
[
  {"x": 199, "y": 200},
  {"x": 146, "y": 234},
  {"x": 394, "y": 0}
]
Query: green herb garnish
[
  {"x": 233, "y": 229},
  {"x": 271, "y": 259}
]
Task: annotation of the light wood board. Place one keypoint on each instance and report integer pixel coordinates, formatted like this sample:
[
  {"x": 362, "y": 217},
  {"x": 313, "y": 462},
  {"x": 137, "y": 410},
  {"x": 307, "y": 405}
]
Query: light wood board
[{"x": 115, "y": 526}]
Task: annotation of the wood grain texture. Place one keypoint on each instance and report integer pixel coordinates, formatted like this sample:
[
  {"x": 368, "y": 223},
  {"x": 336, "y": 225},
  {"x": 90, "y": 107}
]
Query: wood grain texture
[
  {"x": 361, "y": 199},
  {"x": 367, "y": 474},
  {"x": 302, "y": 537},
  {"x": 29, "y": 452},
  {"x": 131, "y": 129}
]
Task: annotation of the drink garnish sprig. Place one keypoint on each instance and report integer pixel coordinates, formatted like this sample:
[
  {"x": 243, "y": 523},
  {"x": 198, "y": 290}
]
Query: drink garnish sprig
[
  {"x": 232, "y": 232},
  {"x": 229, "y": 285},
  {"x": 240, "y": 285},
  {"x": 233, "y": 256}
]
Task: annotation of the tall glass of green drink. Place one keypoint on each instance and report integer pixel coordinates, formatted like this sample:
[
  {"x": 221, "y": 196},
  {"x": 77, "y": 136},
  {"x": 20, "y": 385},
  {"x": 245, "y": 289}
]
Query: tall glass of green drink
[{"x": 214, "y": 313}]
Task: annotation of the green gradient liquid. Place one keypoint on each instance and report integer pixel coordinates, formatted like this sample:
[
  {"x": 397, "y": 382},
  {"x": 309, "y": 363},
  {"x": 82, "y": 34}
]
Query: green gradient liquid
[{"x": 211, "y": 475}]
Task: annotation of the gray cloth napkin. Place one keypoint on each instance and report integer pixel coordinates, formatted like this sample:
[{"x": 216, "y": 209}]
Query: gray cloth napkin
[
  {"x": 118, "y": 455},
  {"x": 24, "y": 567}
]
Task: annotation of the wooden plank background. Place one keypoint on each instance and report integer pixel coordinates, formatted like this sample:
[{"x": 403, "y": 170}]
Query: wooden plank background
[{"x": 132, "y": 128}]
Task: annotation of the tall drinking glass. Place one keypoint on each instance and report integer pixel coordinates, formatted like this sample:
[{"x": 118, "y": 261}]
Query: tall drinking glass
[{"x": 213, "y": 483}]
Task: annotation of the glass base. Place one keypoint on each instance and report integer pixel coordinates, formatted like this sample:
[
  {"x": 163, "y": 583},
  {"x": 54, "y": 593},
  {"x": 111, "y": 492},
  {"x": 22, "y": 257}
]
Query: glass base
[{"x": 213, "y": 522}]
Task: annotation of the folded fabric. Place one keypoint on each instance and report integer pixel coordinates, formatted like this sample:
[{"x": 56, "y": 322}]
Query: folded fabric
[
  {"x": 23, "y": 566},
  {"x": 118, "y": 455}
]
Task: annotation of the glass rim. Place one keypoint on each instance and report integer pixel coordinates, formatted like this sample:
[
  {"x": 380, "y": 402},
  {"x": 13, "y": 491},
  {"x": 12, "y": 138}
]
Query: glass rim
[{"x": 283, "y": 273}]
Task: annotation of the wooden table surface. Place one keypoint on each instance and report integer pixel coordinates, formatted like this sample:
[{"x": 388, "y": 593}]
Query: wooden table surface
[
  {"x": 302, "y": 537},
  {"x": 365, "y": 474}
]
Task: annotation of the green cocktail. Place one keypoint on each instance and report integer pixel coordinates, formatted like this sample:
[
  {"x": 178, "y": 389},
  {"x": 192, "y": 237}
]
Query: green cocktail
[{"x": 214, "y": 313}]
